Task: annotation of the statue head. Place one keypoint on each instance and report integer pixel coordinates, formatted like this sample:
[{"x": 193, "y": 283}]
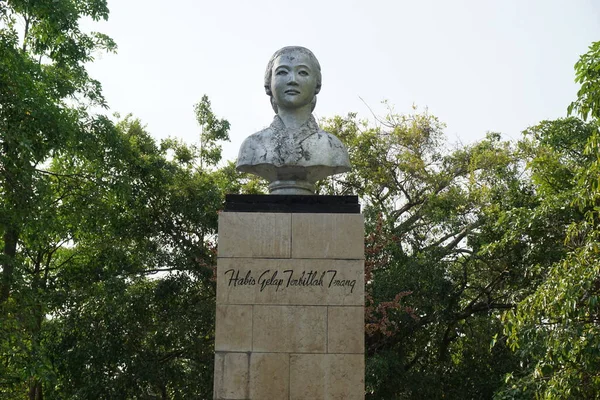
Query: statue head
[{"x": 293, "y": 52}]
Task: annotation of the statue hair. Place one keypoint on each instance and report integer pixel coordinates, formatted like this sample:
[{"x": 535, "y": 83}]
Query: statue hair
[{"x": 269, "y": 72}]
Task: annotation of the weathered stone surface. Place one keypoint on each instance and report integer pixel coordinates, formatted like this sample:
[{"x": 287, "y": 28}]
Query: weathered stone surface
[
  {"x": 327, "y": 376},
  {"x": 231, "y": 376},
  {"x": 266, "y": 235},
  {"x": 290, "y": 281},
  {"x": 293, "y": 153},
  {"x": 296, "y": 329},
  {"x": 269, "y": 376},
  {"x": 337, "y": 236},
  {"x": 345, "y": 330},
  {"x": 290, "y": 328},
  {"x": 233, "y": 328}
]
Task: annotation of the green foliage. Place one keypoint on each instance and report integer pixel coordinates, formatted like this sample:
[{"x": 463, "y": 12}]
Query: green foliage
[
  {"x": 106, "y": 283},
  {"x": 234, "y": 182},
  {"x": 45, "y": 89},
  {"x": 43, "y": 66},
  {"x": 556, "y": 330},
  {"x": 587, "y": 74},
  {"x": 212, "y": 130},
  {"x": 108, "y": 239},
  {"x": 141, "y": 340},
  {"x": 435, "y": 286},
  {"x": 116, "y": 274}
]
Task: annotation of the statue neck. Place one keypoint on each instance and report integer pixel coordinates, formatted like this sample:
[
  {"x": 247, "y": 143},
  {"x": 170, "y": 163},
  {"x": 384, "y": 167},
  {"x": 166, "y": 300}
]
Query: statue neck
[{"x": 294, "y": 119}]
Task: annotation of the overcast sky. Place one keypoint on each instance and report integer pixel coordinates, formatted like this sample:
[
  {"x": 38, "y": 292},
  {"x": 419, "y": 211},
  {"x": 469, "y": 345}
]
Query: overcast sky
[{"x": 478, "y": 65}]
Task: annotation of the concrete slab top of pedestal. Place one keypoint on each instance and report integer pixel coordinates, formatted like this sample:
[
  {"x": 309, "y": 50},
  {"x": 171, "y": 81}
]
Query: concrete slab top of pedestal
[
  {"x": 282, "y": 235},
  {"x": 338, "y": 236},
  {"x": 255, "y": 235}
]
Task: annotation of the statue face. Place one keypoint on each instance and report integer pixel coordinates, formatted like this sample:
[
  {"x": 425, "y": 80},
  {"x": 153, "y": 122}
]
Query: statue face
[{"x": 293, "y": 80}]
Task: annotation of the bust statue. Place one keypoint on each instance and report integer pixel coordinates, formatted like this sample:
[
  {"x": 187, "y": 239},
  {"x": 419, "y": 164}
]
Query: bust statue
[{"x": 293, "y": 152}]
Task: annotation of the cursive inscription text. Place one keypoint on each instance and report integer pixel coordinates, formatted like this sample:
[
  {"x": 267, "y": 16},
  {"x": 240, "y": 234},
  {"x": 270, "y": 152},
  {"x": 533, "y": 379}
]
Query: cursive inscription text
[{"x": 281, "y": 280}]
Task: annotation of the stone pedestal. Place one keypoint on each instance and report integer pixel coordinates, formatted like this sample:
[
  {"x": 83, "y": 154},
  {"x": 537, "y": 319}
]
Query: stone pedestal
[{"x": 290, "y": 304}]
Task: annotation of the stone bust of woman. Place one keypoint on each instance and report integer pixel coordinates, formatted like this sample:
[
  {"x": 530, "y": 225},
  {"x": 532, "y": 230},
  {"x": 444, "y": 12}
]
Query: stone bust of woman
[{"x": 293, "y": 152}]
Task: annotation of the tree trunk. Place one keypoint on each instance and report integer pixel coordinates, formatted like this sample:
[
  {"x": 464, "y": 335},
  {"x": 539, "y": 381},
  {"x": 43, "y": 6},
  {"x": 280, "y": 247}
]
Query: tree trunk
[
  {"x": 11, "y": 237},
  {"x": 35, "y": 390},
  {"x": 163, "y": 392}
]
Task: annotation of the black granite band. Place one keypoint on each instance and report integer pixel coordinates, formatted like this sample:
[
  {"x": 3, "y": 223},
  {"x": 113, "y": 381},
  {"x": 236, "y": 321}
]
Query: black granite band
[{"x": 291, "y": 203}]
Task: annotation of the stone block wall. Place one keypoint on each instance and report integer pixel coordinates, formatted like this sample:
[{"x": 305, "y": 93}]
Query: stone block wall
[{"x": 290, "y": 306}]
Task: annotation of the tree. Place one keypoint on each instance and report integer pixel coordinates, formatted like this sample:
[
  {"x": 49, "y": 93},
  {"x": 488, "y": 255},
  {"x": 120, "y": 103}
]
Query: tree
[
  {"x": 212, "y": 130},
  {"x": 90, "y": 214},
  {"x": 556, "y": 329},
  {"x": 41, "y": 72},
  {"x": 42, "y": 113},
  {"x": 435, "y": 288},
  {"x": 141, "y": 326},
  {"x": 123, "y": 300},
  {"x": 587, "y": 74}
]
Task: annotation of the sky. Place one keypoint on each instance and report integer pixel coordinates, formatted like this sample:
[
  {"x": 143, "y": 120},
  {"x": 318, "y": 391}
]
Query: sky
[{"x": 478, "y": 65}]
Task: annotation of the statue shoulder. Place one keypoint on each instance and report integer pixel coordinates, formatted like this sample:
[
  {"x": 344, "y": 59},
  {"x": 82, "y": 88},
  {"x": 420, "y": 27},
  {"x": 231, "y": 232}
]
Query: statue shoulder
[
  {"x": 258, "y": 137},
  {"x": 336, "y": 149},
  {"x": 254, "y": 148},
  {"x": 334, "y": 140}
]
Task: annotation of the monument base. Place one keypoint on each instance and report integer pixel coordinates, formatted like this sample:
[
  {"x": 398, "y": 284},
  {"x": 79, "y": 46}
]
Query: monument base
[
  {"x": 290, "y": 302},
  {"x": 292, "y": 187}
]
